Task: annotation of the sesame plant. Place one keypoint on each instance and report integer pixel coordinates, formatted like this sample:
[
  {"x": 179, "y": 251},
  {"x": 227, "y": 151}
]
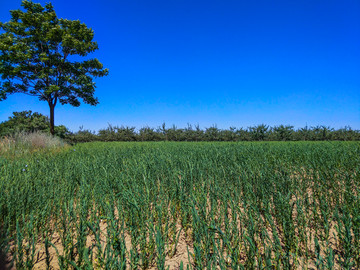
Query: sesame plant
[{"x": 163, "y": 205}]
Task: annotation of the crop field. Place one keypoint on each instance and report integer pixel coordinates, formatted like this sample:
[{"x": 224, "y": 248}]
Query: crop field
[{"x": 162, "y": 205}]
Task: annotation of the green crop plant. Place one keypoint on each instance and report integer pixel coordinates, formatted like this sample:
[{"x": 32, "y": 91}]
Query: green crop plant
[{"x": 160, "y": 205}]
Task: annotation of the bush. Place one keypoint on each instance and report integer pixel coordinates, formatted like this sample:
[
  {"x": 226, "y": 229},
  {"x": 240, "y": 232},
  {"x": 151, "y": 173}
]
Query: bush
[
  {"x": 25, "y": 121},
  {"x": 28, "y": 122}
]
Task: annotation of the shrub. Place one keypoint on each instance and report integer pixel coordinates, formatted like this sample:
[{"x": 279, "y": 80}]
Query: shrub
[{"x": 29, "y": 122}]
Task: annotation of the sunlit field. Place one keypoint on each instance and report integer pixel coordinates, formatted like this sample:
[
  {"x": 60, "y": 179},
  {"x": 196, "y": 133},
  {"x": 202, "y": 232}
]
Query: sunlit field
[{"x": 161, "y": 205}]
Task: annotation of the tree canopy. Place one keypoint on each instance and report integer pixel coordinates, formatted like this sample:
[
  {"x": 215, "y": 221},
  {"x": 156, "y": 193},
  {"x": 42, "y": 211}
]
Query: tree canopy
[
  {"x": 28, "y": 121},
  {"x": 36, "y": 58}
]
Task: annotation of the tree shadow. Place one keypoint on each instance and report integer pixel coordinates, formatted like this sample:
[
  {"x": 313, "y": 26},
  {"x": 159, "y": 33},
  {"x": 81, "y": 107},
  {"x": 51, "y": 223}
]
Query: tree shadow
[{"x": 4, "y": 263}]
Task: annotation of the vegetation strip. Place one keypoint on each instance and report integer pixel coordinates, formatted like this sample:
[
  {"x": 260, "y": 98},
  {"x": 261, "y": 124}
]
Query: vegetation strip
[{"x": 282, "y": 205}]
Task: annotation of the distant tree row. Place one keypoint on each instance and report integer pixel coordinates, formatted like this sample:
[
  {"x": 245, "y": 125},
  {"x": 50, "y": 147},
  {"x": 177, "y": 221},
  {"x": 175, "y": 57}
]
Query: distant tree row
[
  {"x": 27, "y": 121},
  {"x": 194, "y": 133}
]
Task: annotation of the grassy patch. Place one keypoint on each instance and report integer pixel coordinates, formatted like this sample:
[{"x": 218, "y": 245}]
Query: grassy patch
[{"x": 21, "y": 144}]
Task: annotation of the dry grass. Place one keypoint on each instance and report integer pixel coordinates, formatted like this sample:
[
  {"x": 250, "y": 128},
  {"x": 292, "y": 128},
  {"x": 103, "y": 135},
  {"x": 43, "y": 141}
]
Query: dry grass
[{"x": 23, "y": 143}]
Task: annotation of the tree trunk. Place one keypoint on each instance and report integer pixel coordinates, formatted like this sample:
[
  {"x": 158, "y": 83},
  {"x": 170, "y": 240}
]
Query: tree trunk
[{"x": 52, "y": 126}]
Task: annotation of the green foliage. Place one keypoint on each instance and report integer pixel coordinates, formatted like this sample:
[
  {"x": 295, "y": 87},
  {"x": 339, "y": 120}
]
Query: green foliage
[
  {"x": 36, "y": 58},
  {"x": 261, "y": 205},
  {"x": 115, "y": 133},
  {"x": 148, "y": 134},
  {"x": 190, "y": 133},
  {"x": 28, "y": 122},
  {"x": 212, "y": 134},
  {"x": 83, "y": 135},
  {"x": 25, "y": 121},
  {"x": 259, "y": 132},
  {"x": 282, "y": 133}
]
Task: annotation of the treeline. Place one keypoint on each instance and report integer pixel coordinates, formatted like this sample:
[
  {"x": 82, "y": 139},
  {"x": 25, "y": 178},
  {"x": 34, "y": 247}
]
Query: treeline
[
  {"x": 194, "y": 133},
  {"x": 28, "y": 122}
]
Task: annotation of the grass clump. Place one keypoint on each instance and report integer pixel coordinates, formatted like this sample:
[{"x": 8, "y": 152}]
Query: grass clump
[{"x": 29, "y": 142}]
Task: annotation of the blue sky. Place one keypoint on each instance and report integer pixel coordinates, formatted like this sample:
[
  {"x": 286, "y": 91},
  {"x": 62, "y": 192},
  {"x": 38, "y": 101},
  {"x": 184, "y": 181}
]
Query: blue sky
[{"x": 229, "y": 63}]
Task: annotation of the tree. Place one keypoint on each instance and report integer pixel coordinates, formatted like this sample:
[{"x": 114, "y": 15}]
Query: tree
[
  {"x": 283, "y": 133},
  {"x": 148, "y": 134},
  {"x": 36, "y": 51},
  {"x": 27, "y": 121},
  {"x": 259, "y": 132},
  {"x": 212, "y": 133}
]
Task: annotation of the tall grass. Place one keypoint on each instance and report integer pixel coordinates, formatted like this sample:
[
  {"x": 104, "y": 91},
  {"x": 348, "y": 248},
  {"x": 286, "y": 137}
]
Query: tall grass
[
  {"x": 195, "y": 205},
  {"x": 23, "y": 143}
]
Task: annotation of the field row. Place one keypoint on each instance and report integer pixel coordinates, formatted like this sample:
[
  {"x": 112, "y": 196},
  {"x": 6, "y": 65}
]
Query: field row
[{"x": 184, "y": 205}]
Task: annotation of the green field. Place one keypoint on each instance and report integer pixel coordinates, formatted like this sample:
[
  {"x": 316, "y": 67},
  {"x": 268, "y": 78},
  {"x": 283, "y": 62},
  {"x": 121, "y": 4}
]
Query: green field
[{"x": 269, "y": 205}]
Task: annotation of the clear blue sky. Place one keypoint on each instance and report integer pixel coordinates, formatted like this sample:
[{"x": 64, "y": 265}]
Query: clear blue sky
[{"x": 230, "y": 63}]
